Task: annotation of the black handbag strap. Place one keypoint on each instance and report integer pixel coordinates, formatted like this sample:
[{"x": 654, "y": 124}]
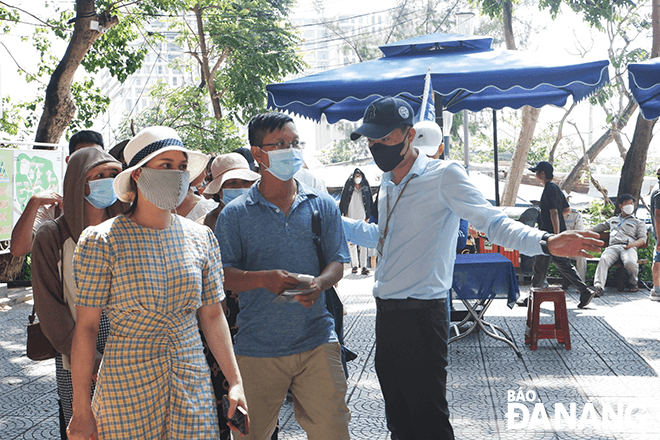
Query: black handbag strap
[{"x": 316, "y": 230}]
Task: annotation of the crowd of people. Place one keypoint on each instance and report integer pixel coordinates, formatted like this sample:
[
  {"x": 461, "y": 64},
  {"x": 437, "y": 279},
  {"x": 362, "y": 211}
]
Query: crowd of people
[{"x": 170, "y": 280}]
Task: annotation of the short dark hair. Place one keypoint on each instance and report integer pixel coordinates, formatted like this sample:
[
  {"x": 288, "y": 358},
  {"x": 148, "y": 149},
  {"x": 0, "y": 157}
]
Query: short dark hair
[
  {"x": 85, "y": 137},
  {"x": 265, "y": 123},
  {"x": 624, "y": 198}
]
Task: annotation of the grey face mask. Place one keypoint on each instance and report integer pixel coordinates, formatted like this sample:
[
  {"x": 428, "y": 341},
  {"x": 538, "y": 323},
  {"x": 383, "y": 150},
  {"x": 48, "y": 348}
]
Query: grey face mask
[{"x": 164, "y": 188}]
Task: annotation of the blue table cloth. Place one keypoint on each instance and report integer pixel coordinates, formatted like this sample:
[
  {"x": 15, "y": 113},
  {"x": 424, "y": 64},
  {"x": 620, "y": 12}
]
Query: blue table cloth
[{"x": 485, "y": 276}]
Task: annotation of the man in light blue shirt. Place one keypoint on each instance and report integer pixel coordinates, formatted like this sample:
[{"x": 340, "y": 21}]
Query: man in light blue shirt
[{"x": 420, "y": 204}]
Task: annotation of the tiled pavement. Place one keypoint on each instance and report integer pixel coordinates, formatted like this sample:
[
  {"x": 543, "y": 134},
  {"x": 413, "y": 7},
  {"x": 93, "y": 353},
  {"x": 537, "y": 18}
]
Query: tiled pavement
[{"x": 614, "y": 363}]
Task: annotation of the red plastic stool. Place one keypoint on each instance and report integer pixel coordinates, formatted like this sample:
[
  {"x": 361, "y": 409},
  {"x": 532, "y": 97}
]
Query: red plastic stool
[{"x": 558, "y": 330}]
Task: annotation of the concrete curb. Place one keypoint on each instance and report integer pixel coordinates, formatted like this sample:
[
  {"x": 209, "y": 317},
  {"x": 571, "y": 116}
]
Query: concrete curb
[{"x": 9, "y": 297}]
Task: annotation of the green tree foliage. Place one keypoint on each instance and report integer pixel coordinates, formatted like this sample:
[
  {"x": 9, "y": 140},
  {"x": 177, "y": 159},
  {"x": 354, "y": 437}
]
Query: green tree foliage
[
  {"x": 595, "y": 13},
  {"x": 236, "y": 48},
  {"x": 186, "y": 110},
  {"x": 113, "y": 50},
  {"x": 249, "y": 44}
]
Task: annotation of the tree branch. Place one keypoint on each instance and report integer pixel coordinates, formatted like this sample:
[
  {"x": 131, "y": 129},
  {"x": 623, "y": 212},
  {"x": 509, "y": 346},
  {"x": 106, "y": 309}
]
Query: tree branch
[{"x": 28, "y": 13}]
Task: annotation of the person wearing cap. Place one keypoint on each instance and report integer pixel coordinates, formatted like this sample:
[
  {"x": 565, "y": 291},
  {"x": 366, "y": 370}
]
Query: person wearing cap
[
  {"x": 552, "y": 221},
  {"x": 655, "y": 218},
  {"x": 156, "y": 275},
  {"x": 355, "y": 202},
  {"x": 118, "y": 151},
  {"x": 267, "y": 241},
  {"x": 46, "y": 205},
  {"x": 420, "y": 204},
  {"x": 627, "y": 233},
  {"x": 88, "y": 197},
  {"x": 230, "y": 177},
  {"x": 428, "y": 139},
  {"x": 247, "y": 154}
]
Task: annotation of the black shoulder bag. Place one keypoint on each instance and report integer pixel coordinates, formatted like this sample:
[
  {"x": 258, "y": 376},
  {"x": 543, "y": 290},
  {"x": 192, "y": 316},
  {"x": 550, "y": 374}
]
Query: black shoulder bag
[{"x": 332, "y": 300}]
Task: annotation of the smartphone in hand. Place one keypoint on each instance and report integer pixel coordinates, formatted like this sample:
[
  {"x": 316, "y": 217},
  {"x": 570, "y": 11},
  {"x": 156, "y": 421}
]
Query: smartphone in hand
[{"x": 239, "y": 416}]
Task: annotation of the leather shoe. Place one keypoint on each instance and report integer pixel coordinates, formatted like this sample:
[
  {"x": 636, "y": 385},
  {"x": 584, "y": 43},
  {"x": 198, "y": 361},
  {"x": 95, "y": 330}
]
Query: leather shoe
[
  {"x": 523, "y": 302},
  {"x": 586, "y": 297},
  {"x": 599, "y": 292}
]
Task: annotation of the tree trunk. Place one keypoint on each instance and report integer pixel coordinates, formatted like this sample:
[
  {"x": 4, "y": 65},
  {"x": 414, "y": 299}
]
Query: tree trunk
[
  {"x": 632, "y": 173},
  {"x": 593, "y": 151},
  {"x": 655, "y": 26},
  {"x": 634, "y": 166},
  {"x": 530, "y": 117},
  {"x": 507, "y": 23},
  {"x": 59, "y": 107},
  {"x": 206, "y": 68}
]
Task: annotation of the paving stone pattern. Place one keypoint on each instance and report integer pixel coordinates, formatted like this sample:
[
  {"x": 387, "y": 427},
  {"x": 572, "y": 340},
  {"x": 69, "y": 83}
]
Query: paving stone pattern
[{"x": 614, "y": 363}]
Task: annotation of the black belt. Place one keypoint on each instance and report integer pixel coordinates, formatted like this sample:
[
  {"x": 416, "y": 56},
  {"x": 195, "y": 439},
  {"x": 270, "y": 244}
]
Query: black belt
[{"x": 391, "y": 305}]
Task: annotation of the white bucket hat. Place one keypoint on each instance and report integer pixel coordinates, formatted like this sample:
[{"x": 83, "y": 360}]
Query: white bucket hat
[
  {"x": 147, "y": 144},
  {"x": 229, "y": 166},
  {"x": 428, "y": 137}
]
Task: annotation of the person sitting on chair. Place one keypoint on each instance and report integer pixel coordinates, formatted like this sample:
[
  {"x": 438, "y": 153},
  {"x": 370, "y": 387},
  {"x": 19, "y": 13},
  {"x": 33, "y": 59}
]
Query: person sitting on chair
[{"x": 627, "y": 233}]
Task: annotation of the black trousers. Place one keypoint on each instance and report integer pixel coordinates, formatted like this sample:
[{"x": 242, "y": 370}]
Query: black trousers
[
  {"x": 563, "y": 265},
  {"x": 411, "y": 363}
]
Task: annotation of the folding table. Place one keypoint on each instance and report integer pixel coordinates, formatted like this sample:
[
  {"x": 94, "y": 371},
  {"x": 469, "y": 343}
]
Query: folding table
[{"x": 478, "y": 280}]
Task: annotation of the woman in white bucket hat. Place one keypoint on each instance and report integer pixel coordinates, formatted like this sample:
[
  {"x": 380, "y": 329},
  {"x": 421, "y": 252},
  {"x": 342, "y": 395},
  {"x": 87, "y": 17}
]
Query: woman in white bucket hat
[{"x": 155, "y": 274}]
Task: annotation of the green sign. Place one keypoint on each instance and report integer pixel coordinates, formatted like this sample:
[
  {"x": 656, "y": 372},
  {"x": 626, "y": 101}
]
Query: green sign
[{"x": 6, "y": 193}]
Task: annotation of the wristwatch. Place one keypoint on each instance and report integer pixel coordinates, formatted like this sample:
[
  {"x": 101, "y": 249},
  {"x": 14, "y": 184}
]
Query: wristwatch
[{"x": 544, "y": 243}]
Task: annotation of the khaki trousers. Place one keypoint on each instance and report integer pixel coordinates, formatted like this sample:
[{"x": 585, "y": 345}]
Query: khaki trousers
[{"x": 316, "y": 379}]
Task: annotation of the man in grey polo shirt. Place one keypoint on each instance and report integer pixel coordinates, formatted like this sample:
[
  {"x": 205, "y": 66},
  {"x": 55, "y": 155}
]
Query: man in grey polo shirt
[{"x": 266, "y": 240}]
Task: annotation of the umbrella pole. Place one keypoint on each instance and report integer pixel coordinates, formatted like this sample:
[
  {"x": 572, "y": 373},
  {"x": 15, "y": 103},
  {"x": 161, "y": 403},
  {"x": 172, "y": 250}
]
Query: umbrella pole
[
  {"x": 495, "y": 159},
  {"x": 466, "y": 142}
]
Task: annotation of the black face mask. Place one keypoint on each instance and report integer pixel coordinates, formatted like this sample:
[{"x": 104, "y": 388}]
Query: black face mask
[{"x": 388, "y": 157}]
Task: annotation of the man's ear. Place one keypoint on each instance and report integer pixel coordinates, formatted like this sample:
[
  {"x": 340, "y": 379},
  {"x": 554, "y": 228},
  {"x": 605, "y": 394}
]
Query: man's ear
[
  {"x": 136, "y": 173},
  {"x": 441, "y": 149},
  {"x": 257, "y": 154},
  {"x": 411, "y": 134}
]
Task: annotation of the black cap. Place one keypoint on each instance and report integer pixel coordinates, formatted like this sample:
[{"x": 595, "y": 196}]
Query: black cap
[
  {"x": 546, "y": 167},
  {"x": 247, "y": 154},
  {"x": 382, "y": 117},
  {"x": 118, "y": 151}
]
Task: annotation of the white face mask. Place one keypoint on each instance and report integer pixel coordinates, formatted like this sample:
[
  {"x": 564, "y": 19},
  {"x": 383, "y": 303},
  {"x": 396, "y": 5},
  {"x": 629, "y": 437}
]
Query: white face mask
[
  {"x": 357, "y": 180},
  {"x": 628, "y": 209}
]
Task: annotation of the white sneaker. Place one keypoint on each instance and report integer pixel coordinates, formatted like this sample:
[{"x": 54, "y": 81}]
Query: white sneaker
[{"x": 655, "y": 296}]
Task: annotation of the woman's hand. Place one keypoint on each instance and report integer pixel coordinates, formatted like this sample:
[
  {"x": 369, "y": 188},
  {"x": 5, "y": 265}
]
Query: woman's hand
[
  {"x": 82, "y": 426},
  {"x": 236, "y": 397}
]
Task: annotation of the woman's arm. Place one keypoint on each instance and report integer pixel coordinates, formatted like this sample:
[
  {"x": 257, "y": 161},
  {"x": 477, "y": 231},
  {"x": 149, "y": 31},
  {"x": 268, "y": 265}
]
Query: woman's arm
[
  {"x": 216, "y": 331},
  {"x": 83, "y": 425}
]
